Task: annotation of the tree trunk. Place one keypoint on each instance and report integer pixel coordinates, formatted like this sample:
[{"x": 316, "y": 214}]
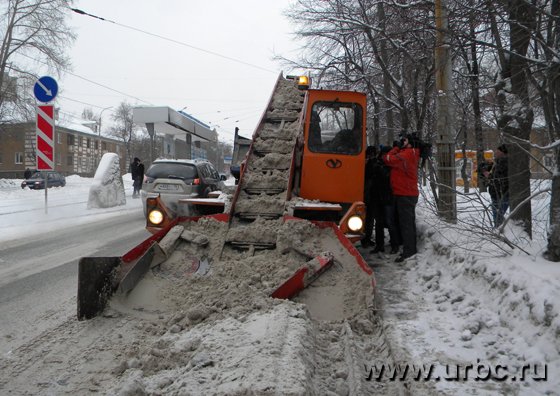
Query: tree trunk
[
  {"x": 475, "y": 92},
  {"x": 515, "y": 112},
  {"x": 518, "y": 120},
  {"x": 553, "y": 251},
  {"x": 553, "y": 120},
  {"x": 389, "y": 120}
]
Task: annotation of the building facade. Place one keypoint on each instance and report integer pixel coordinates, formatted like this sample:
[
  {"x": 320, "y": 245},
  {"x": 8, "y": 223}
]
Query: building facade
[{"x": 76, "y": 152}]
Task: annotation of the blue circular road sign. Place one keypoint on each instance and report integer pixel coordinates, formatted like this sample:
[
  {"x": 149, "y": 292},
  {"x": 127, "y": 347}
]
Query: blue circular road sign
[{"x": 45, "y": 89}]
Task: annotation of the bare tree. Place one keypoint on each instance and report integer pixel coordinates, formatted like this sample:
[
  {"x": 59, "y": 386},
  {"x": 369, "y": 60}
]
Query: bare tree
[
  {"x": 33, "y": 32},
  {"x": 124, "y": 127},
  {"x": 516, "y": 114}
]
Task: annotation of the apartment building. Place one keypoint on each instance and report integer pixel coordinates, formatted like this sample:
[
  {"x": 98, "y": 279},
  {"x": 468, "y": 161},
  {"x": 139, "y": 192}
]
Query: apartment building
[{"x": 77, "y": 150}]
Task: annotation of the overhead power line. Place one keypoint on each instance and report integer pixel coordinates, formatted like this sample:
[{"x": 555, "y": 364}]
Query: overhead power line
[
  {"x": 81, "y": 12},
  {"x": 91, "y": 81}
]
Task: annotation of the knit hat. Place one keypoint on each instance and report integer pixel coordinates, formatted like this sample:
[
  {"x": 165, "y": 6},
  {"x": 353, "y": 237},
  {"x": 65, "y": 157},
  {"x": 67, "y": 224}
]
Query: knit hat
[{"x": 503, "y": 148}]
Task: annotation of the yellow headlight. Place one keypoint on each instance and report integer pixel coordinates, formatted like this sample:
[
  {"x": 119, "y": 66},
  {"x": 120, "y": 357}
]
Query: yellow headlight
[
  {"x": 355, "y": 223},
  {"x": 155, "y": 217}
]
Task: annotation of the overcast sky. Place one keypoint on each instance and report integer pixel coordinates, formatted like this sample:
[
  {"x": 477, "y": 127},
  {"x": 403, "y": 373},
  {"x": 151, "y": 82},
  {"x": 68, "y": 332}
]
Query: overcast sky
[{"x": 154, "y": 71}]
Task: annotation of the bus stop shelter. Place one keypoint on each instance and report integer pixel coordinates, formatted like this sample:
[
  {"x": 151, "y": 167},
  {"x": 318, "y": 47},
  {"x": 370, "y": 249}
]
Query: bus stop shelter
[{"x": 173, "y": 125}]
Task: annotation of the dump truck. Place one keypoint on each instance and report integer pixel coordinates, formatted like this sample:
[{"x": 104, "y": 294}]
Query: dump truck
[{"x": 284, "y": 239}]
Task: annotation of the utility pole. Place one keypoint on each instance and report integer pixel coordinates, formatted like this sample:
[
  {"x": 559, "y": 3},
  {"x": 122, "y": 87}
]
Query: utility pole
[{"x": 447, "y": 198}]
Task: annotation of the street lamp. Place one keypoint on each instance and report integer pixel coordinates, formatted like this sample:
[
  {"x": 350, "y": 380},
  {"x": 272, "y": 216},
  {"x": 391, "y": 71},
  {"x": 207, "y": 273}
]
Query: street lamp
[{"x": 100, "y": 118}]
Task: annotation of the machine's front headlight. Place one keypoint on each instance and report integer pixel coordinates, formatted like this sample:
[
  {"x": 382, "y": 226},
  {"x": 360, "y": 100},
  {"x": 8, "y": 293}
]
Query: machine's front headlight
[
  {"x": 155, "y": 217},
  {"x": 355, "y": 223}
]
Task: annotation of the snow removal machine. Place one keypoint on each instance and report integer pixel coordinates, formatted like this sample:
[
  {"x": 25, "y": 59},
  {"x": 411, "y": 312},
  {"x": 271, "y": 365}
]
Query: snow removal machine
[{"x": 287, "y": 231}]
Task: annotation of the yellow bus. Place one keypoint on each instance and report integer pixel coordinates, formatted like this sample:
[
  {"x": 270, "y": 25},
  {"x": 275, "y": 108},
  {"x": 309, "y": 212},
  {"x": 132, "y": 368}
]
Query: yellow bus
[{"x": 472, "y": 166}]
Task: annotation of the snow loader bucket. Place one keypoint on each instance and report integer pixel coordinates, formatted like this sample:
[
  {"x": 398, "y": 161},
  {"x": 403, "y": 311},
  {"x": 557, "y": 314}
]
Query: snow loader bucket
[
  {"x": 100, "y": 277},
  {"x": 96, "y": 278}
]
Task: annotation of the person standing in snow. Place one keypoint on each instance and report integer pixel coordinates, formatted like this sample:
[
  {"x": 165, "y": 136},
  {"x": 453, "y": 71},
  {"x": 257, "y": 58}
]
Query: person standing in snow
[
  {"x": 403, "y": 162},
  {"x": 371, "y": 158},
  {"x": 498, "y": 185},
  {"x": 385, "y": 202},
  {"x": 137, "y": 172},
  {"x": 27, "y": 174}
]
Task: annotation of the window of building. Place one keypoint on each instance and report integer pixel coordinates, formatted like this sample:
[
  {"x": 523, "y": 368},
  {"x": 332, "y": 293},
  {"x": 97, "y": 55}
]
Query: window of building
[
  {"x": 58, "y": 158},
  {"x": 18, "y": 159},
  {"x": 70, "y": 160},
  {"x": 59, "y": 137},
  {"x": 70, "y": 139},
  {"x": 88, "y": 143},
  {"x": 97, "y": 144},
  {"x": 104, "y": 145},
  {"x": 80, "y": 141}
]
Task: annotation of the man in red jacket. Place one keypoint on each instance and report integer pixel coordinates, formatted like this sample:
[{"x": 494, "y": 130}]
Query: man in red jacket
[{"x": 403, "y": 162}]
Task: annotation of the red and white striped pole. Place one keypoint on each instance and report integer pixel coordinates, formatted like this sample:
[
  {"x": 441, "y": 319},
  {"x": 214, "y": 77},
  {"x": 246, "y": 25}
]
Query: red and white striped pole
[{"x": 45, "y": 142}]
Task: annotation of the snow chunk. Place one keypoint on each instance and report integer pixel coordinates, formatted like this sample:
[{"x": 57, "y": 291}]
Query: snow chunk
[{"x": 107, "y": 189}]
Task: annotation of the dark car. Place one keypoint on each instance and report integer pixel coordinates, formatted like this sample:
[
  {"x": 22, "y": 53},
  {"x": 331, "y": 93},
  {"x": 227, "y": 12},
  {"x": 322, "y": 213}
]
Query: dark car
[
  {"x": 37, "y": 180},
  {"x": 177, "y": 179}
]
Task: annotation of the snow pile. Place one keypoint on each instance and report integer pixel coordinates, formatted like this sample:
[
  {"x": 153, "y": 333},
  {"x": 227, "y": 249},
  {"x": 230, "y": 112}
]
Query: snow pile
[
  {"x": 107, "y": 189},
  {"x": 221, "y": 357},
  {"x": 8, "y": 183},
  {"x": 462, "y": 304},
  {"x": 218, "y": 330}
]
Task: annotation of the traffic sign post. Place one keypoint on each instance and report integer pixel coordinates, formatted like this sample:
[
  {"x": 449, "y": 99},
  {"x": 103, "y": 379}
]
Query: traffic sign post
[
  {"x": 44, "y": 134},
  {"x": 45, "y": 137},
  {"x": 45, "y": 90}
]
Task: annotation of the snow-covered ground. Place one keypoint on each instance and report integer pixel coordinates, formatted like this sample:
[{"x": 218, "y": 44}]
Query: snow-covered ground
[
  {"x": 25, "y": 212},
  {"x": 467, "y": 304},
  {"x": 468, "y": 300}
]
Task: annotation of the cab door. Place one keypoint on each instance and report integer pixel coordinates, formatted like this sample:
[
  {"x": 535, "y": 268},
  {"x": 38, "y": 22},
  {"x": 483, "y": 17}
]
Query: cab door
[{"x": 333, "y": 165}]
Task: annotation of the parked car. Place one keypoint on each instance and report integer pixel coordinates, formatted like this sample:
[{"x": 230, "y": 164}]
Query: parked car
[
  {"x": 177, "y": 179},
  {"x": 37, "y": 180}
]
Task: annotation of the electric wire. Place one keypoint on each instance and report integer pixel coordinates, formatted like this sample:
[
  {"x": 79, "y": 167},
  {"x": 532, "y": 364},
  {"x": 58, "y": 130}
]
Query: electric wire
[{"x": 81, "y": 12}]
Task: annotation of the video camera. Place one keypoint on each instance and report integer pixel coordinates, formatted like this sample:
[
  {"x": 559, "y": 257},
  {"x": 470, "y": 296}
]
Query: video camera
[{"x": 415, "y": 141}]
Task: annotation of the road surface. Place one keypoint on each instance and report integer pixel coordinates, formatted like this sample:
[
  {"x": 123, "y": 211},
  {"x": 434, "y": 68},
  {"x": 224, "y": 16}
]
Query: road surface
[{"x": 38, "y": 275}]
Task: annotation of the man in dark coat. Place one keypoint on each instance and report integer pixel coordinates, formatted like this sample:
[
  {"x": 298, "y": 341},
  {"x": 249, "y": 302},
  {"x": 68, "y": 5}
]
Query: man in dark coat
[
  {"x": 385, "y": 201},
  {"x": 371, "y": 153},
  {"x": 27, "y": 174},
  {"x": 498, "y": 185},
  {"x": 137, "y": 172}
]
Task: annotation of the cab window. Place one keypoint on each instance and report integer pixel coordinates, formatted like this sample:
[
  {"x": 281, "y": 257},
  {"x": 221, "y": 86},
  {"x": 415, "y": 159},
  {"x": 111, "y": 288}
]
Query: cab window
[{"x": 335, "y": 128}]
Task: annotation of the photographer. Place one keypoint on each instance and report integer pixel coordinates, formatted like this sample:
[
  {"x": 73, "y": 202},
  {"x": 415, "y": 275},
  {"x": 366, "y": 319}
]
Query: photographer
[{"x": 403, "y": 161}]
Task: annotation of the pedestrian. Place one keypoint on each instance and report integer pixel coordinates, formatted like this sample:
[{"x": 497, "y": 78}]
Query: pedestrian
[
  {"x": 387, "y": 203},
  {"x": 403, "y": 162},
  {"x": 371, "y": 158},
  {"x": 27, "y": 174},
  {"x": 498, "y": 184},
  {"x": 137, "y": 173},
  {"x": 380, "y": 195}
]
